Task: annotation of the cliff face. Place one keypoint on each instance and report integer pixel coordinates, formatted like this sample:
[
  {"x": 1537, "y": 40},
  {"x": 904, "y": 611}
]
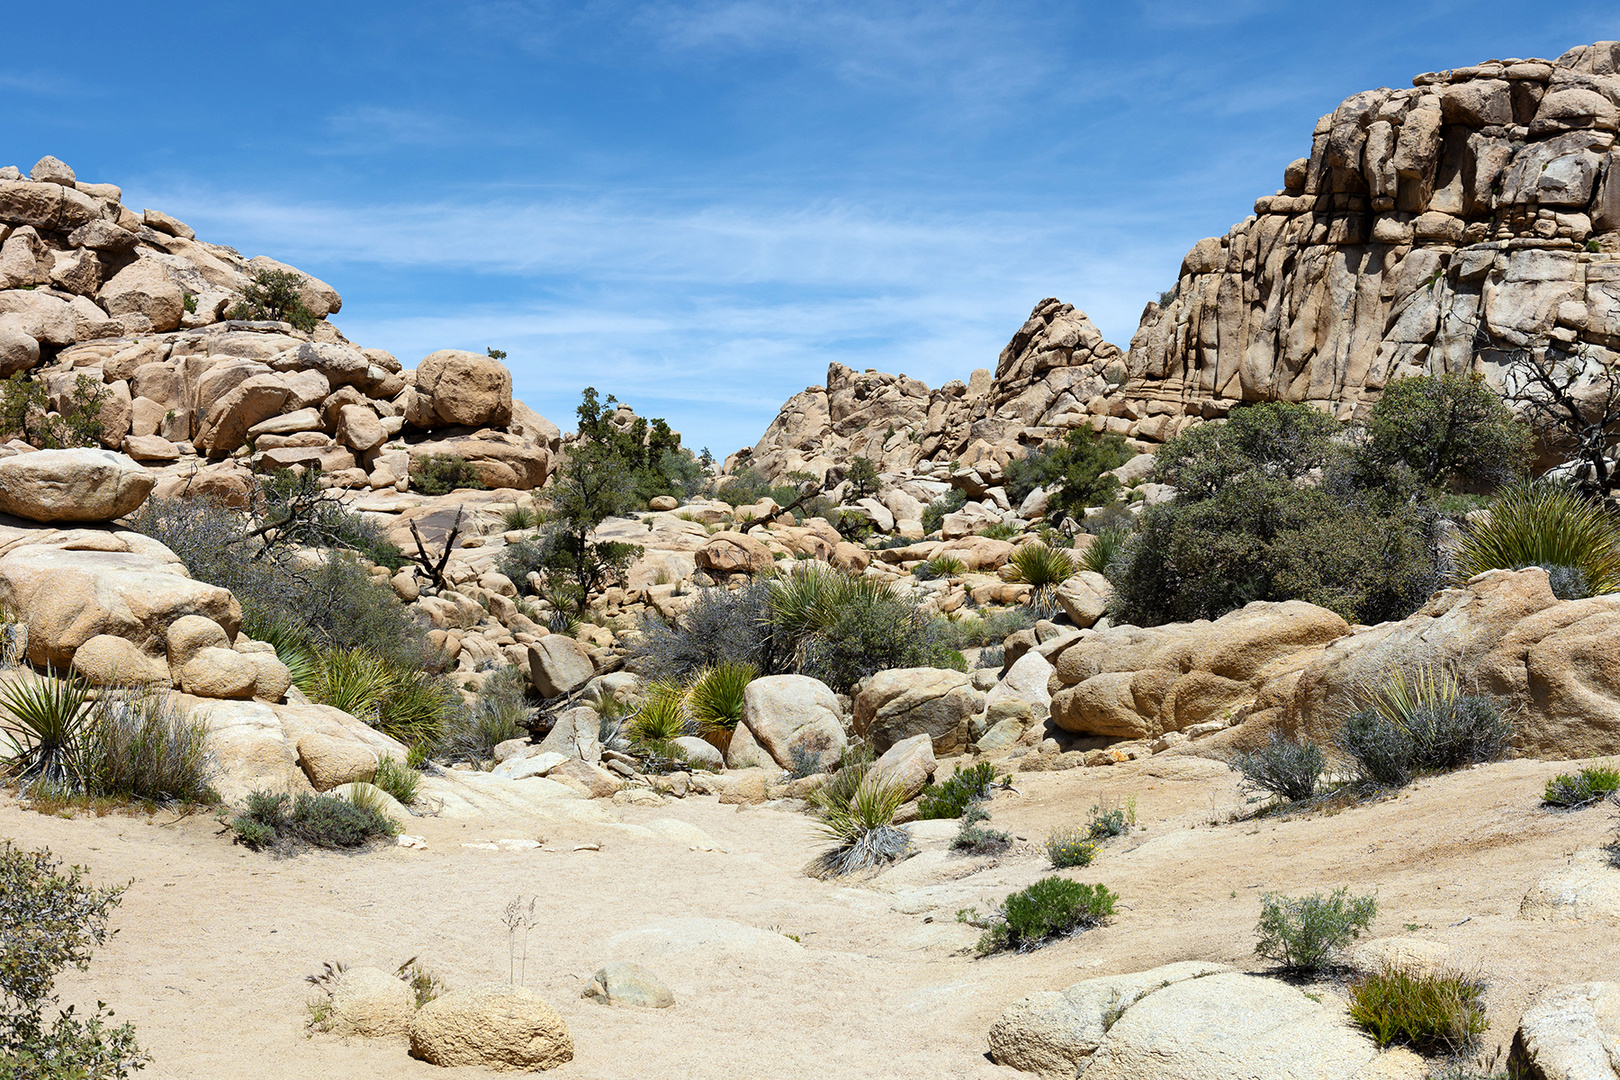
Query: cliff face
[{"x": 1479, "y": 199}]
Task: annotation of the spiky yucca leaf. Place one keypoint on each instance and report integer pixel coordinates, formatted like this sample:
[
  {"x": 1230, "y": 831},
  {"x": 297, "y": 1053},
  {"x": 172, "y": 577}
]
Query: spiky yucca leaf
[
  {"x": 1540, "y": 523},
  {"x": 716, "y": 697},
  {"x": 1039, "y": 565},
  {"x": 1402, "y": 694},
  {"x": 662, "y": 717},
  {"x": 1104, "y": 548},
  {"x": 354, "y": 680},
  {"x": 861, "y": 826},
  {"x": 808, "y": 600},
  {"x": 47, "y": 741}
]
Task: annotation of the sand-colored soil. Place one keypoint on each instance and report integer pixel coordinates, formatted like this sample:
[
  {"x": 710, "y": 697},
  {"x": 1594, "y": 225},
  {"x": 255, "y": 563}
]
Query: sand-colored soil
[{"x": 214, "y": 940}]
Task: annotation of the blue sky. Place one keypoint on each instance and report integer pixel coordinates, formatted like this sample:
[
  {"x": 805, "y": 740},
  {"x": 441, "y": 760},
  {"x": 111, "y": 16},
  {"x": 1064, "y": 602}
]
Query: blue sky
[{"x": 696, "y": 206}]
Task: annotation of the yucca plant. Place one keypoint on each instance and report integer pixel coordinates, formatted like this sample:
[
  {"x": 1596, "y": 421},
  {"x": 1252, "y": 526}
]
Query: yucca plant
[
  {"x": 1541, "y": 523},
  {"x": 1105, "y": 546},
  {"x": 399, "y": 780},
  {"x": 1040, "y": 566},
  {"x": 715, "y": 699},
  {"x": 292, "y": 649},
  {"x": 519, "y": 518},
  {"x": 354, "y": 680},
  {"x": 661, "y": 720},
  {"x": 416, "y": 707},
  {"x": 945, "y": 566},
  {"x": 1420, "y": 721},
  {"x": 861, "y": 825},
  {"x": 48, "y": 739}
]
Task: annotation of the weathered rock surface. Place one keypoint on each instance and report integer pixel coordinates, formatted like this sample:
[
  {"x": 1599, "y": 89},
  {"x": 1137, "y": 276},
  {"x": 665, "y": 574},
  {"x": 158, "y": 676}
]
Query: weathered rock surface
[
  {"x": 1587, "y": 890},
  {"x": 72, "y": 485},
  {"x": 1570, "y": 1033},
  {"x": 370, "y": 1002},
  {"x": 559, "y": 665},
  {"x": 499, "y": 1027},
  {"x": 794, "y": 712},
  {"x": 908, "y": 765},
  {"x": 624, "y": 983},
  {"x": 896, "y": 705}
]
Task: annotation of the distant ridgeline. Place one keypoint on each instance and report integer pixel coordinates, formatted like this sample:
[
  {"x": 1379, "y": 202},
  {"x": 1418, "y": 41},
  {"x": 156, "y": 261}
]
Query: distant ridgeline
[{"x": 1430, "y": 228}]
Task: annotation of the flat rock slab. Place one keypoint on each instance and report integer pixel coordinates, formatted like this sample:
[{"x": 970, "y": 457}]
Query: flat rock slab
[{"x": 1588, "y": 890}]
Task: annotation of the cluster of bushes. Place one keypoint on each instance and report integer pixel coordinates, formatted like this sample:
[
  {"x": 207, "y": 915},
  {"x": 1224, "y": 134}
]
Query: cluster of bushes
[
  {"x": 26, "y": 412},
  {"x": 962, "y": 789},
  {"x": 328, "y": 821},
  {"x": 1281, "y": 503},
  {"x": 1587, "y": 787},
  {"x": 1412, "y": 724},
  {"x": 813, "y": 620},
  {"x": 128, "y": 746},
  {"x": 274, "y": 295},
  {"x": 1073, "y": 469},
  {"x": 53, "y": 919}
]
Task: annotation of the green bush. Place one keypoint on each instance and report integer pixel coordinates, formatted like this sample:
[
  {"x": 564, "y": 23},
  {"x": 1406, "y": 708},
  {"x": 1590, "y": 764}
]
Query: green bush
[
  {"x": 25, "y": 412},
  {"x": 1592, "y": 784},
  {"x": 1069, "y": 846},
  {"x": 471, "y": 735},
  {"x": 844, "y": 628},
  {"x": 933, "y": 518},
  {"x": 1544, "y": 524},
  {"x": 654, "y": 727},
  {"x": 1274, "y": 438},
  {"x": 1051, "y": 908},
  {"x": 857, "y": 814},
  {"x": 991, "y": 626},
  {"x": 1286, "y": 767},
  {"x": 715, "y": 698},
  {"x": 963, "y": 788},
  {"x": 940, "y": 566},
  {"x": 1308, "y": 933},
  {"x": 138, "y": 746},
  {"x": 720, "y": 627},
  {"x": 975, "y": 838},
  {"x": 440, "y": 474},
  {"x": 1110, "y": 819},
  {"x": 1043, "y": 566},
  {"x": 398, "y": 779},
  {"x": 274, "y": 295},
  {"x": 1072, "y": 469},
  {"x": 324, "y": 821},
  {"x": 1422, "y": 723},
  {"x": 53, "y": 919},
  {"x": 1433, "y": 1013},
  {"x": 1449, "y": 429}
]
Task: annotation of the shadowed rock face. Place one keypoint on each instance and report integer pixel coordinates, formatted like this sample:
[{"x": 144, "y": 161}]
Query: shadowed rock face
[{"x": 1480, "y": 198}]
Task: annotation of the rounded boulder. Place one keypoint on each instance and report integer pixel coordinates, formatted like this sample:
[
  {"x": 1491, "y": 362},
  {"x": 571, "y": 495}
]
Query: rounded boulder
[
  {"x": 72, "y": 485},
  {"x": 466, "y": 388},
  {"x": 498, "y": 1027}
]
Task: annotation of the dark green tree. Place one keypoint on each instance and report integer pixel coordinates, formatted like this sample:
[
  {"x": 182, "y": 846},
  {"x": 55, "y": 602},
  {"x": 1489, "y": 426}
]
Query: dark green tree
[
  {"x": 274, "y": 295},
  {"x": 1275, "y": 438},
  {"x": 1073, "y": 469},
  {"x": 1450, "y": 430},
  {"x": 863, "y": 479}
]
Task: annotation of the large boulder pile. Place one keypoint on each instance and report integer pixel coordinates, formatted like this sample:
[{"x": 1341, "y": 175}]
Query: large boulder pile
[{"x": 136, "y": 304}]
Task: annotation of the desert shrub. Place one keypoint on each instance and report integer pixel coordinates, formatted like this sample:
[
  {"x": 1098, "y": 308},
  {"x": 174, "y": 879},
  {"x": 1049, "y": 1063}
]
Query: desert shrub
[
  {"x": 25, "y": 412},
  {"x": 53, "y": 919},
  {"x": 1042, "y": 566},
  {"x": 857, "y": 814},
  {"x": 47, "y": 741},
  {"x": 1073, "y": 469},
  {"x": 863, "y": 479},
  {"x": 1308, "y": 933},
  {"x": 1592, "y": 784},
  {"x": 471, "y": 734},
  {"x": 398, "y": 779},
  {"x": 963, "y": 788},
  {"x": 933, "y": 518},
  {"x": 749, "y": 486},
  {"x": 1422, "y": 723},
  {"x": 654, "y": 727},
  {"x": 274, "y": 295},
  {"x": 301, "y": 512},
  {"x": 1449, "y": 429},
  {"x": 258, "y": 824},
  {"x": 1001, "y": 530},
  {"x": 1286, "y": 767},
  {"x": 418, "y": 707},
  {"x": 975, "y": 838},
  {"x": 138, "y": 746},
  {"x": 720, "y": 627},
  {"x": 1106, "y": 545},
  {"x": 940, "y": 566},
  {"x": 1275, "y": 438},
  {"x": 1433, "y": 1013},
  {"x": 1069, "y": 846},
  {"x": 844, "y": 628},
  {"x": 520, "y": 518},
  {"x": 325, "y": 821},
  {"x": 1051, "y": 908},
  {"x": 440, "y": 474},
  {"x": 715, "y": 698},
  {"x": 805, "y": 759},
  {"x": 353, "y": 680},
  {"x": 1568, "y": 582},
  {"x": 991, "y": 626},
  {"x": 1541, "y": 523},
  {"x": 1110, "y": 818}
]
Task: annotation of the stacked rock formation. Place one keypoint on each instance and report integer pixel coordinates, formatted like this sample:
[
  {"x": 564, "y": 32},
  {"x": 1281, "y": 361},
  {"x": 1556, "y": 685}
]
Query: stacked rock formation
[
  {"x": 1481, "y": 199},
  {"x": 137, "y": 303}
]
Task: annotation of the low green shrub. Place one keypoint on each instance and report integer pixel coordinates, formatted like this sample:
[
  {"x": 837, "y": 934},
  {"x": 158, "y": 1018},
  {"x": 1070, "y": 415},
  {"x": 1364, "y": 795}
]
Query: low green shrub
[
  {"x": 1422, "y": 723},
  {"x": 1111, "y": 818},
  {"x": 440, "y": 474},
  {"x": 52, "y": 919},
  {"x": 1001, "y": 530},
  {"x": 398, "y": 779},
  {"x": 520, "y": 519},
  {"x": 1105, "y": 547},
  {"x": 1051, "y": 908},
  {"x": 721, "y": 626},
  {"x": 1068, "y": 846},
  {"x": 933, "y": 518},
  {"x": 1433, "y": 1013},
  {"x": 857, "y": 814},
  {"x": 977, "y": 839},
  {"x": 952, "y": 797},
  {"x": 325, "y": 821},
  {"x": 1592, "y": 784},
  {"x": 1286, "y": 767},
  {"x": 274, "y": 295},
  {"x": 991, "y": 626},
  {"x": 1308, "y": 933},
  {"x": 138, "y": 746},
  {"x": 1042, "y": 566},
  {"x": 471, "y": 734}
]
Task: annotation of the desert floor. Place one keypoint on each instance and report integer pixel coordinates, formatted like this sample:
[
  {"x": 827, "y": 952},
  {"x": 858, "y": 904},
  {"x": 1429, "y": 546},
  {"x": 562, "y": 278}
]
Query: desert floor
[{"x": 214, "y": 941}]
